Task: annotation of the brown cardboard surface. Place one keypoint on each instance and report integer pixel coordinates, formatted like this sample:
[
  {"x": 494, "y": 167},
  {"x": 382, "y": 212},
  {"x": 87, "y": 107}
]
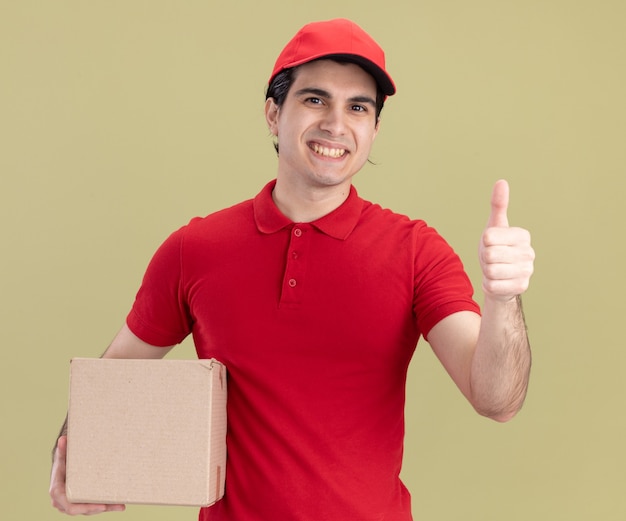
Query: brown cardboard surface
[{"x": 146, "y": 431}]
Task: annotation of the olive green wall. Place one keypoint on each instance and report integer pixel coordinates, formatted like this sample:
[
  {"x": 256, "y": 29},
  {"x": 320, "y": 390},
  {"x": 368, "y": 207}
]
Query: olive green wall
[{"x": 120, "y": 120}]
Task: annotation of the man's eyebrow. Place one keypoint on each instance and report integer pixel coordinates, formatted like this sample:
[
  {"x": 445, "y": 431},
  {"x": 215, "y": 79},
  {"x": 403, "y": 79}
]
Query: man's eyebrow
[
  {"x": 325, "y": 94},
  {"x": 315, "y": 91},
  {"x": 363, "y": 99}
]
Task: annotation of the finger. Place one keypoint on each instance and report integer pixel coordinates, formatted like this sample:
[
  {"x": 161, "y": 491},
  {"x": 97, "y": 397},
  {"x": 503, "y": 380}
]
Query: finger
[
  {"x": 89, "y": 509},
  {"x": 62, "y": 446},
  {"x": 499, "y": 205},
  {"x": 513, "y": 236}
]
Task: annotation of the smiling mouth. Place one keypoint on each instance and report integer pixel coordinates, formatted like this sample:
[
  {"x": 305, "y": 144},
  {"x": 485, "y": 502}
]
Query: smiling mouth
[{"x": 334, "y": 153}]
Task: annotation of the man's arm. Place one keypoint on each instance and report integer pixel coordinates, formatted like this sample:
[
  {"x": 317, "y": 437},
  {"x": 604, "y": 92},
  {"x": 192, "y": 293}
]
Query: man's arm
[
  {"x": 125, "y": 345},
  {"x": 489, "y": 358}
]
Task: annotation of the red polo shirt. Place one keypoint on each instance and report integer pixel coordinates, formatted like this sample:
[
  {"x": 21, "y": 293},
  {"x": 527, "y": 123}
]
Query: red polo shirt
[{"x": 316, "y": 323}]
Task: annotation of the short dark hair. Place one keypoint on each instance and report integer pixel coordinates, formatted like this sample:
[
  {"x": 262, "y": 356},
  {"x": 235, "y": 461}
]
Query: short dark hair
[{"x": 280, "y": 85}]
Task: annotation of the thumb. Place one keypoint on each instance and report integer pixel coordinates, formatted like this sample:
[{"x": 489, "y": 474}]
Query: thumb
[
  {"x": 62, "y": 445},
  {"x": 499, "y": 205}
]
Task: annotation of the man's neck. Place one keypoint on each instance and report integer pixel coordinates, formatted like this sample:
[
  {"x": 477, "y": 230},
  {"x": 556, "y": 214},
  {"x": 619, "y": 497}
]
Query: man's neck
[{"x": 303, "y": 206}]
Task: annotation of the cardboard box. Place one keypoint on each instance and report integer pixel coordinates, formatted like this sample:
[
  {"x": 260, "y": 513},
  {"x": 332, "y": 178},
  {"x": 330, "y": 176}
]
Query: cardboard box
[{"x": 146, "y": 431}]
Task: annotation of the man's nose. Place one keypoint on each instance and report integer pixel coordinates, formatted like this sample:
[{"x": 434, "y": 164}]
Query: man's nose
[{"x": 334, "y": 121}]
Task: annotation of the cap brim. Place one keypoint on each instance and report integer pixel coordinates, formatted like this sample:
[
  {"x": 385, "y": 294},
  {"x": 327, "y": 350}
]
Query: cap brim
[{"x": 383, "y": 80}]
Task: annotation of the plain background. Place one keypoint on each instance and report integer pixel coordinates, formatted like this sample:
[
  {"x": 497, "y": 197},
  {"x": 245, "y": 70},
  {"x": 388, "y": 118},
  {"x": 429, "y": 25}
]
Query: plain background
[{"x": 122, "y": 119}]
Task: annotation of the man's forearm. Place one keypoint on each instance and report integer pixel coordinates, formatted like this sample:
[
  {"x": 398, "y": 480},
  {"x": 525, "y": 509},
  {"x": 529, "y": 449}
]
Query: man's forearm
[{"x": 501, "y": 364}]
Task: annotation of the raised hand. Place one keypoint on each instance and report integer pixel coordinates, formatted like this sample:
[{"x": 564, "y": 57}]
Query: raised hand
[{"x": 505, "y": 254}]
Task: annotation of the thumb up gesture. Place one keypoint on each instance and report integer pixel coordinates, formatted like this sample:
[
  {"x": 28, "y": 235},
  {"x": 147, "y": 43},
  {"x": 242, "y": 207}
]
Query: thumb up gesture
[{"x": 505, "y": 254}]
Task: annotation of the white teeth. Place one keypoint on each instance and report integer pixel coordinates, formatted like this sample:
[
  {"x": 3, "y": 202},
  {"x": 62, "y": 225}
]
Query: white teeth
[{"x": 328, "y": 152}]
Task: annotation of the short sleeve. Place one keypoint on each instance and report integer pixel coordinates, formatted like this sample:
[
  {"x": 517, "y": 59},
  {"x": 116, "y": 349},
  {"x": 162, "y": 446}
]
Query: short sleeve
[
  {"x": 442, "y": 286},
  {"x": 159, "y": 315}
]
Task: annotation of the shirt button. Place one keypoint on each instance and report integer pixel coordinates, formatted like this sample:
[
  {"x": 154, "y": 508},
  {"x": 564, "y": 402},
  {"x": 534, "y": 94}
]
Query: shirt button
[
  {"x": 292, "y": 283},
  {"x": 297, "y": 232},
  {"x": 294, "y": 254}
]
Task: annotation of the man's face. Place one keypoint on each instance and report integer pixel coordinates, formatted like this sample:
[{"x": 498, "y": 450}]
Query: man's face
[{"x": 326, "y": 125}]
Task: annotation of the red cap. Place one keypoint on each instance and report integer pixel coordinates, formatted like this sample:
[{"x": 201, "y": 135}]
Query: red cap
[{"x": 339, "y": 38}]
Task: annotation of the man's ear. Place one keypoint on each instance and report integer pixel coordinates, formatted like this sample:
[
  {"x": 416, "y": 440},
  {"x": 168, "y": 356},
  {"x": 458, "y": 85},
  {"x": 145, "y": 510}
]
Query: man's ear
[{"x": 271, "y": 115}]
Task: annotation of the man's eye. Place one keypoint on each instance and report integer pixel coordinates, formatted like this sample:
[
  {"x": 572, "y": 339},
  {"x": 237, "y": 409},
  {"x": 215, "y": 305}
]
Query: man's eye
[
  {"x": 359, "y": 108},
  {"x": 314, "y": 101}
]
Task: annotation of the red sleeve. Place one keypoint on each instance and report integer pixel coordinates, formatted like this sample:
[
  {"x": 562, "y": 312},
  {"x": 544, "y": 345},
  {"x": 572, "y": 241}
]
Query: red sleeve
[
  {"x": 159, "y": 315},
  {"x": 441, "y": 285}
]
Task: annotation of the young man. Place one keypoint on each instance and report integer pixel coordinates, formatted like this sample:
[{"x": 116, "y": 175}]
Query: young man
[{"x": 315, "y": 299}]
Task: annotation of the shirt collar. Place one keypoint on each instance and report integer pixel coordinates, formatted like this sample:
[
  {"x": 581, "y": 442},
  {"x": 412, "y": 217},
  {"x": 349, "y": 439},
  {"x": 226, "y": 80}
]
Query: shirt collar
[{"x": 338, "y": 224}]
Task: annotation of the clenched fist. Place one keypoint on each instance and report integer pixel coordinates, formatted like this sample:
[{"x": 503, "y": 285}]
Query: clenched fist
[{"x": 505, "y": 254}]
